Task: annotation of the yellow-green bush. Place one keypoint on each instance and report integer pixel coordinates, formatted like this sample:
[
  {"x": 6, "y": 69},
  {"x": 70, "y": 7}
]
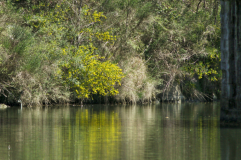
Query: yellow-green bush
[
  {"x": 86, "y": 74},
  {"x": 57, "y": 54}
]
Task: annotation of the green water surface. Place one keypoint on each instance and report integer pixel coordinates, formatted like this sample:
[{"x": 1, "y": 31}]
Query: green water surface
[{"x": 188, "y": 131}]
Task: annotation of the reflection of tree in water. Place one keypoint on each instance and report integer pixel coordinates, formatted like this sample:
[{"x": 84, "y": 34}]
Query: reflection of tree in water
[
  {"x": 166, "y": 131},
  {"x": 230, "y": 143},
  {"x": 61, "y": 134},
  {"x": 135, "y": 122},
  {"x": 171, "y": 131},
  {"x": 100, "y": 134}
]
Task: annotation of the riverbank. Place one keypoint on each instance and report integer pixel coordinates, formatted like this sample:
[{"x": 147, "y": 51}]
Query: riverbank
[{"x": 58, "y": 52}]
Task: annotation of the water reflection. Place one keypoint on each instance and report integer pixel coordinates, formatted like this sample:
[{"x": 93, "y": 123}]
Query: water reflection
[
  {"x": 171, "y": 131},
  {"x": 230, "y": 143},
  {"x": 165, "y": 131}
]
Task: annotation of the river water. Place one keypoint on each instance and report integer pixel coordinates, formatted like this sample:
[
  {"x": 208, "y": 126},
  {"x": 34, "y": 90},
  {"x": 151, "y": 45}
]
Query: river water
[{"x": 187, "y": 131}]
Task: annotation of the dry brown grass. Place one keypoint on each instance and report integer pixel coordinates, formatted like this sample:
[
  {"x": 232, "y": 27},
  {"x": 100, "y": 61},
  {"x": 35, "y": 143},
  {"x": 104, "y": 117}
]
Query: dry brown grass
[
  {"x": 39, "y": 89},
  {"x": 136, "y": 86}
]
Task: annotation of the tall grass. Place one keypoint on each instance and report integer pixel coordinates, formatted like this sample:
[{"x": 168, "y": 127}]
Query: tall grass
[
  {"x": 26, "y": 72},
  {"x": 137, "y": 86}
]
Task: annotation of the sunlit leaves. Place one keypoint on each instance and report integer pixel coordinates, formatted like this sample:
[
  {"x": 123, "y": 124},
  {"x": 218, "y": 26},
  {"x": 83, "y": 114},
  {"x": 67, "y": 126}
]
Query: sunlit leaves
[
  {"x": 208, "y": 68},
  {"x": 86, "y": 74},
  {"x": 75, "y": 32}
]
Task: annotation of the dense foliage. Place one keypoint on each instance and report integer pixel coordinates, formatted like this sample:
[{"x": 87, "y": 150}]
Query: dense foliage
[{"x": 125, "y": 50}]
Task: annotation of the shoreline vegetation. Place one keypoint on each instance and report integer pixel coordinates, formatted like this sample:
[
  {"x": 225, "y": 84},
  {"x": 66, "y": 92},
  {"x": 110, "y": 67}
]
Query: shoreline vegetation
[{"x": 102, "y": 51}]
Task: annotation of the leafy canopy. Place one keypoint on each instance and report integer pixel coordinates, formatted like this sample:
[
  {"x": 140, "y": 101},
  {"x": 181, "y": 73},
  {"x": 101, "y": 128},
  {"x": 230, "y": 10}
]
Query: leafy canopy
[{"x": 77, "y": 35}]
